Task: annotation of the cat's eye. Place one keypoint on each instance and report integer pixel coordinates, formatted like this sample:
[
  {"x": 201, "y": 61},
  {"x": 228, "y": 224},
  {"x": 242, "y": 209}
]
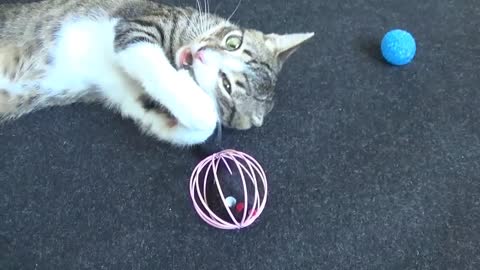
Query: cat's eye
[
  {"x": 233, "y": 42},
  {"x": 226, "y": 83}
]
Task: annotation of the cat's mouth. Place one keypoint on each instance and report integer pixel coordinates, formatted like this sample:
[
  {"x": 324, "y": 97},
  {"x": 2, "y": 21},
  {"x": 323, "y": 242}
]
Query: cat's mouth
[
  {"x": 201, "y": 64},
  {"x": 185, "y": 58}
]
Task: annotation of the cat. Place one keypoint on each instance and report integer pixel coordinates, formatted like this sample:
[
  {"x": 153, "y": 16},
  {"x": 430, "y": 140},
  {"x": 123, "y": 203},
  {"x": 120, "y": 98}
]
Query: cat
[{"x": 177, "y": 72}]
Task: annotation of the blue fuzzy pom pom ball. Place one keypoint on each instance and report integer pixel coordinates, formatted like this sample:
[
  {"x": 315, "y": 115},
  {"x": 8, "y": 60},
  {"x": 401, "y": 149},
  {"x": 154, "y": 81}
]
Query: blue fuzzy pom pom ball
[{"x": 398, "y": 47}]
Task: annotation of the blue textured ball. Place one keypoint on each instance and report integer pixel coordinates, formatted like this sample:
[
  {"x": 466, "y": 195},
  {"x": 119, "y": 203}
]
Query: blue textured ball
[{"x": 398, "y": 47}]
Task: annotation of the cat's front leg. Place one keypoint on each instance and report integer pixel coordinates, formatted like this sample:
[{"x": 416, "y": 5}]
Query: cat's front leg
[{"x": 176, "y": 90}]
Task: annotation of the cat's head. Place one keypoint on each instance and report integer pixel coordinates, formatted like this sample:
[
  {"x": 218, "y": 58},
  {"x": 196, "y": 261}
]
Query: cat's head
[{"x": 240, "y": 67}]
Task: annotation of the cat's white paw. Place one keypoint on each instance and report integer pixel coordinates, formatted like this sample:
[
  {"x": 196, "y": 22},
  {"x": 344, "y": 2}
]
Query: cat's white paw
[{"x": 199, "y": 111}]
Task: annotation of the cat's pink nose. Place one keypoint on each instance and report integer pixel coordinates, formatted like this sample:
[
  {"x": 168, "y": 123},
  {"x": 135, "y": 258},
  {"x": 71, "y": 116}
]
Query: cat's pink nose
[{"x": 200, "y": 55}]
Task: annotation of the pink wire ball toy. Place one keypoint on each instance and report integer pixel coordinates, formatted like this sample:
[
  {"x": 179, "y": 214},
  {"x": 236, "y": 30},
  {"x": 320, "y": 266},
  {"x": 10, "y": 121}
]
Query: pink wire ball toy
[{"x": 229, "y": 190}]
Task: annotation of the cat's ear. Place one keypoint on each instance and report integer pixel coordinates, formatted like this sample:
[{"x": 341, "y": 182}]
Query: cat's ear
[{"x": 285, "y": 45}]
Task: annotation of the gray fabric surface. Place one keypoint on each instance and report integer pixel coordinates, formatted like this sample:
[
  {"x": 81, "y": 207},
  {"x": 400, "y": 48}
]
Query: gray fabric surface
[{"x": 369, "y": 166}]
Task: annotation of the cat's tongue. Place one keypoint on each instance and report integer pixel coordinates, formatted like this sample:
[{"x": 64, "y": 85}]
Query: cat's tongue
[{"x": 186, "y": 57}]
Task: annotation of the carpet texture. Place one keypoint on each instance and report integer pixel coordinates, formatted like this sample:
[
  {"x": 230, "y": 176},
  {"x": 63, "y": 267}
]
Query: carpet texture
[{"x": 369, "y": 166}]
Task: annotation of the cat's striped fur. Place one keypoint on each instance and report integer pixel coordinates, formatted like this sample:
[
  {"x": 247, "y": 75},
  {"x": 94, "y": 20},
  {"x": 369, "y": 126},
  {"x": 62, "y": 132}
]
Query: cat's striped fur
[{"x": 166, "y": 67}]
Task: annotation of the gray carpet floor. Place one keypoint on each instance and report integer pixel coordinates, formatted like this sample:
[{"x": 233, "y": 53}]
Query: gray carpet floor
[{"x": 370, "y": 166}]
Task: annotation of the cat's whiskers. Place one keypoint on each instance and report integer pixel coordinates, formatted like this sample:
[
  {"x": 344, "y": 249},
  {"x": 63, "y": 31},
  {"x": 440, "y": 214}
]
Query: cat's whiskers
[
  {"x": 216, "y": 8},
  {"x": 200, "y": 13},
  {"x": 196, "y": 23},
  {"x": 235, "y": 10},
  {"x": 202, "y": 24},
  {"x": 193, "y": 31},
  {"x": 208, "y": 6}
]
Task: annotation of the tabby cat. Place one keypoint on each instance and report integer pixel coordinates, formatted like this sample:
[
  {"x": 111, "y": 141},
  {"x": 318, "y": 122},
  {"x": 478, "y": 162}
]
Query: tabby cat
[{"x": 177, "y": 72}]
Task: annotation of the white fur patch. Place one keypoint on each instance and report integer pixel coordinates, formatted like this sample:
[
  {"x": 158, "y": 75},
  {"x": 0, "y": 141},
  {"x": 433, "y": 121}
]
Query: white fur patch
[
  {"x": 83, "y": 55},
  {"x": 233, "y": 64}
]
